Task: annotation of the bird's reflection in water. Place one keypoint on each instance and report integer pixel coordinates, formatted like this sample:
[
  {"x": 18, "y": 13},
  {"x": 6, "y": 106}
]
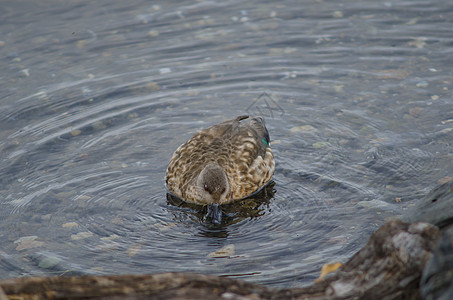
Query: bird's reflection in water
[{"x": 252, "y": 207}]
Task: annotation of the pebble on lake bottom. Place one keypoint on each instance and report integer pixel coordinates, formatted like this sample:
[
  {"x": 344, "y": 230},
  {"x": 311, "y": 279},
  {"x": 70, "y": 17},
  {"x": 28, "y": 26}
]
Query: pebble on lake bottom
[
  {"x": 337, "y": 14},
  {"x": 107, "y": 246},
  {"x": 378, "y": 204},
  {"x": 76, "y": 132},
  {"x": 319, "y": 145},
  {"x": 225, "y": 251},
  {"x": 415, "y": 111},
  {"x": 419, "y": 42},
  {"x": 164, "y": 70},
  {"x": 153, "y": 33},
  {"x": 110, "y": 237},
  {"x": 69, "y": 224},
  {"x": 25, "y": 72},
  {"x": 303, "y": 128},
  {"x": 49, "y": 262},
  {"x": 133, "y": 250},
  {"x": 81, "y": 235},
  {"x": 152, "y": 86},
  {"x": 27, "y": 242}
]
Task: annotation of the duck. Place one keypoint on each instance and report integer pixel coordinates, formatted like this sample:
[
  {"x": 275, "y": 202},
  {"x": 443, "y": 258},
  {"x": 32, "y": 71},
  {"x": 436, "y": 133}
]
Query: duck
[{"x": 221, "y": 164}]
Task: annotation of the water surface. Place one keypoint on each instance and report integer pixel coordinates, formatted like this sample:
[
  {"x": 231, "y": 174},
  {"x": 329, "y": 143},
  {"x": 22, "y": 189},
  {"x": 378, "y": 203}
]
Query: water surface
[{"x": 95, "y": 97}]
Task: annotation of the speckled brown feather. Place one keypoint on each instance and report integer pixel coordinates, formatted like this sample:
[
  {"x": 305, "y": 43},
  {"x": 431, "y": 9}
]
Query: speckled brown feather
[{"x": 237, "y": 147}]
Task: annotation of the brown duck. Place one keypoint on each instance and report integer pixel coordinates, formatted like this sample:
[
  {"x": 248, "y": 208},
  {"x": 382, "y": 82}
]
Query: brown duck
[{"x": 223, "y": 163}]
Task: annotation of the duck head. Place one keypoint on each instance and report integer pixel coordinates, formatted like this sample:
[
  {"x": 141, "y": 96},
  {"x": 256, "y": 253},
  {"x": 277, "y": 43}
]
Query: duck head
[{"x": 213, "y": 188}]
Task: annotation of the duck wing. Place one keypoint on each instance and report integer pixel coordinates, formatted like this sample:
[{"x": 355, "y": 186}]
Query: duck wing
[{"x": 242, "y": 149}]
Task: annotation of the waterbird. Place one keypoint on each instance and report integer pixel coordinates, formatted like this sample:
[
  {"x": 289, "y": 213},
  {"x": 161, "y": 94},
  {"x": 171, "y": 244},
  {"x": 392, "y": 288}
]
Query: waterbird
[{"x": 223, "y": 163}]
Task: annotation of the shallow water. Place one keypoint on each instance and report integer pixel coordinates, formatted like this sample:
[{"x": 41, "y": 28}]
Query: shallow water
[{"x": 94, "y": 99}]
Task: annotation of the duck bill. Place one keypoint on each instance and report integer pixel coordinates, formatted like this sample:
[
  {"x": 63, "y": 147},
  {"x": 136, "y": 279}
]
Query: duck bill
[{"x": 215, "y": 213}]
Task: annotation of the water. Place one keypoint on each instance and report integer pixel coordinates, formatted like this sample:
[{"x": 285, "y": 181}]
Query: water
[{"x": 95, "y": 97}]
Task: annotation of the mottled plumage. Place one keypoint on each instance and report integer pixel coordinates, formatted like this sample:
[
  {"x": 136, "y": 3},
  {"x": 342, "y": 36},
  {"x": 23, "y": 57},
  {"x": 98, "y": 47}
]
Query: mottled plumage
[{"x": 225, "y": 162}]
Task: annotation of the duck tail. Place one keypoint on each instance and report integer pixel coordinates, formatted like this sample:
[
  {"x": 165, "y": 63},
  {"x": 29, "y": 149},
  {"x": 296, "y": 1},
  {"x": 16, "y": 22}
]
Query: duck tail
[
  {"x": 243, "y": 117},
  {"x": 259, "y": 126}
]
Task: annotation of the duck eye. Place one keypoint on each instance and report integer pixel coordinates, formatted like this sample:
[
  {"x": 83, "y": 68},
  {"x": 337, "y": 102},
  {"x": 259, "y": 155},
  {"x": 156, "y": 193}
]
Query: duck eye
[
  {"x": 206, "y": 188},
  {"x": 223, "y": 190}
]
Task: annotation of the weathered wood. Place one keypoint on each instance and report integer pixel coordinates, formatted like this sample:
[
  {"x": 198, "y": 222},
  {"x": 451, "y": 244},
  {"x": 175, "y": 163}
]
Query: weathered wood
[
  {"x": 435, "y": 208},
  {"x": 157, "y": 286},
  {"x": 3, "y": 295},
  {"x": 437, "y": 277},
  {"x": 388, "y": 267}
]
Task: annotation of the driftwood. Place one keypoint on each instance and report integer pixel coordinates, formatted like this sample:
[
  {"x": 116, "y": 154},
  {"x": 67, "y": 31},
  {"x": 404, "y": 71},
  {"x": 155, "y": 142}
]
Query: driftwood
[
  {"x": 437, "y": 277},
  {"x": 436, "y": 208},
  {"x": 388, "y": 267}
]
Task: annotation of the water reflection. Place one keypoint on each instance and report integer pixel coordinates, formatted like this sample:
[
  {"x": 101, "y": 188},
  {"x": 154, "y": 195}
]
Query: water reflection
[{"x": 252, "y": 207}]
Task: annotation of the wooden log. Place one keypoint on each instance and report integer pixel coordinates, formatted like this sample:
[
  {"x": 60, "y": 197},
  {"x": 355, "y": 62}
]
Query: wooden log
[
  {"x": 434, "y": 208},
  {"x": 388, "y": 267},
  {"x": 437, "y": 276}
]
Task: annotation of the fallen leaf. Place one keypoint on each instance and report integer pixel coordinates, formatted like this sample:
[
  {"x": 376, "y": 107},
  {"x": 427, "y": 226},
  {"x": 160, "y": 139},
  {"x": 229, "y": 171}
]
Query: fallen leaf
[{"x": 328, "y": 268}]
